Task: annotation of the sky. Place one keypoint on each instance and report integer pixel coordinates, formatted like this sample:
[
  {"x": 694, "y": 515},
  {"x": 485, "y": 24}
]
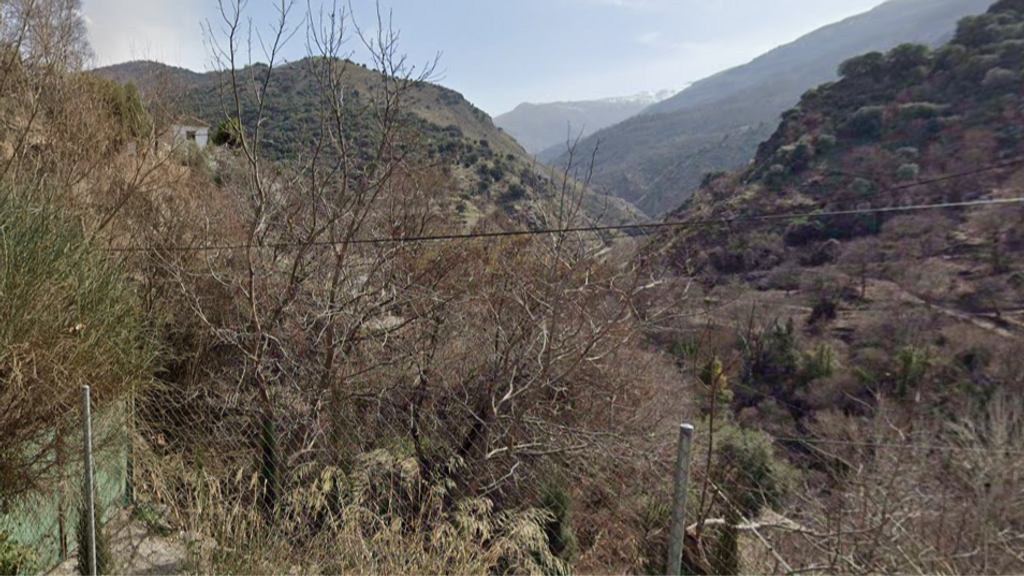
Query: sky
[{"x": 499, "y": 53}]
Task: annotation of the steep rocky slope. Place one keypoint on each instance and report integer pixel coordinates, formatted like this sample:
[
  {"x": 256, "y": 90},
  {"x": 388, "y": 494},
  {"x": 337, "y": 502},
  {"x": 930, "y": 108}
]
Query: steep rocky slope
[
  {"x": 884, "y": 215},
  {"x": 657, "y": 159}
]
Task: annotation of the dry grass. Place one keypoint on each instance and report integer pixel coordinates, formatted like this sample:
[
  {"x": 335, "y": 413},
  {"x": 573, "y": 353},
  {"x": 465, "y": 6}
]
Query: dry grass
[
  {"x": 380, "y": 517},
  {"x": 68, "y": 318}
]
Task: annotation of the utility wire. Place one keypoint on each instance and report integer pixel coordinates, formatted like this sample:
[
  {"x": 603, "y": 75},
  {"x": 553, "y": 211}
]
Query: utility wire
[
  {"x": 592, "y": 229},
  {"x": 910, "y": 446},
  {"x": 870, "y": 194},
  {"x": 1007, "y": 163},
  {"x": 636, "y": 226}
]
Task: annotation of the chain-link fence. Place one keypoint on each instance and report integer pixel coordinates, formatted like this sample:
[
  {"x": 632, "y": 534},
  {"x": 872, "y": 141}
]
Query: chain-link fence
[
  {"x": 42, "y": 525},
  {"x": 393, "y": 476},
  {"x": 248, "y": 495},
  {"x": 245, "y": 495}
]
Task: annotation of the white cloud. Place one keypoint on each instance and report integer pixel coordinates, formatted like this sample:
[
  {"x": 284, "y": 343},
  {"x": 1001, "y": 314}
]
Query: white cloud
[{"x": 648, "y": 39}]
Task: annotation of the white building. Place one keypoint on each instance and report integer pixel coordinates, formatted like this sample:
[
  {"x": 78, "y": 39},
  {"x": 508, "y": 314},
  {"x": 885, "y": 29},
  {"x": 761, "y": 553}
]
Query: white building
[{"x": 194, "y": 131}]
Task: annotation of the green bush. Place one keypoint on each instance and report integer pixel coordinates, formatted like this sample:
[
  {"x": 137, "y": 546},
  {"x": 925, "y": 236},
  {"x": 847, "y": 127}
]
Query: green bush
[
  {"x": 825, "y": 142},
  {"x": 514, "y": 193},
  {"x": 710, "y": 177},
  {"x": 792, "y": 115},
  {"x": 950, "y": 56},
  {"x": 908, "y": 153},
  {"x": 975, "y": 68},
  {"x": 908, "y": 172},
  {"x": 862, "y": 186},
  {"x": 748, "y": 471},
  {"x": 820, "y": 363},
  {"x": 804, "y": 231},
  {"x": 190, "y": 155},
  {"x": 975, "y": 31},
  {"x": 919, "y": 111},
  {"x": 561, "y": 539},
  {"x": 1000, "y": 78},
  {"x": 125, "y": 106},
  {"x": 1011, "y": 53},
  {"x": 227, "y": 133},
  {"x": 913, "y": 364},
  {"x": 795, "y": 157},
  {"x": 870, "y": 65},
  {"x": 866, "y": 122},
  {"x": 1007, "y": 6},
  {"x": 15, "y": 558},
  {"x": 907, "y": 58},
  {"x": 826, "y": 308},
  {"x": 776, "y": 175}
]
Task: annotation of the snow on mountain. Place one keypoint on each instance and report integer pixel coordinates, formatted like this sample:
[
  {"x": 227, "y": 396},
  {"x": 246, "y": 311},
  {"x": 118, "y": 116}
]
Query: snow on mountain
[{"x": 540, "y": 126}]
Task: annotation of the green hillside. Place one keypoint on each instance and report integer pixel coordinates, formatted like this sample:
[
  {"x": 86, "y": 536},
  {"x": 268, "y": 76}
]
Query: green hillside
[
  {"x": 913, "y": 127},
  {"x": 859, "y": 312},
  {"x": 493, "y": 172},
  {"x": 659, "y": 158}
]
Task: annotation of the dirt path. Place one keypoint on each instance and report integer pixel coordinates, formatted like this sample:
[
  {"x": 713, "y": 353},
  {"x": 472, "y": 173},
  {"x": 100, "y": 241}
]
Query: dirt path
[{"x": 137, "y": 549}]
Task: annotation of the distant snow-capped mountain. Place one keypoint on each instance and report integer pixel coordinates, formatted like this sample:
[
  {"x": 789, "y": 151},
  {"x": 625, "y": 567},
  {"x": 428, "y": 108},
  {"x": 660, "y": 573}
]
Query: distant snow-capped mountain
[
  {"x": 540, "y": 126},
  {"x": 647, "y": 98}
]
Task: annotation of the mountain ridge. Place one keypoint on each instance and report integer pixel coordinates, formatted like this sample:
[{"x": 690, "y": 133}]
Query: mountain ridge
[
  {"x": 658, "y": 158},
  {"x": 492, "y": 172},
  {"x": 539, "y": 126},
  {"x": 900, "y": 17}
]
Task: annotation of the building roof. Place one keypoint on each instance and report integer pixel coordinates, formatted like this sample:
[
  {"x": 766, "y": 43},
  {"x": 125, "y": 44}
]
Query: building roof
[{"x": 191, "y": 121}]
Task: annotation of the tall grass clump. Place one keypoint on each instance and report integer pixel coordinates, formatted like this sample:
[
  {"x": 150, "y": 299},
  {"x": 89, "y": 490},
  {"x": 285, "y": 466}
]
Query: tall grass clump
[
  {"x": 379, "y": 516},
  {"x": 68, "y": 318}
]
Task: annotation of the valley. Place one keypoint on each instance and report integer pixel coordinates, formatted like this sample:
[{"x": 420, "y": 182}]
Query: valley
[{"x": 334, "y": 318}]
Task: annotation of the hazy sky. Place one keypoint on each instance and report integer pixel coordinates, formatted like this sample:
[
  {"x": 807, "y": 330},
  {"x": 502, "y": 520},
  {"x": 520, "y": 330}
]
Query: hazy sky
[{"x": 499, "y": 53}]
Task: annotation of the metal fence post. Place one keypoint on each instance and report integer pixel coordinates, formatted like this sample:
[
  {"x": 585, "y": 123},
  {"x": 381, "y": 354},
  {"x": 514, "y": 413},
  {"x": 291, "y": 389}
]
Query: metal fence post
[
  {"x": 678, "y": 534},
  {"x": 90, "y": 493}
]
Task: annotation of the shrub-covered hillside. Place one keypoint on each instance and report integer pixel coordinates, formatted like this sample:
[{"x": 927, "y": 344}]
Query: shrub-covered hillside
[
  {"x": 491, "y": 172},
  {"x": 880, "y": 347},
  {"x": 656, "y": 160},
  {"x": 909, "y": 126},
  {"x": 323, "y": 373}
]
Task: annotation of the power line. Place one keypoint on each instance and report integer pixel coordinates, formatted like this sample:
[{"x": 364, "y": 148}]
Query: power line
[
  {"x": 912, "y": 446},
  {"x": 611, "y": 228},
  {"x": 1008, "y": 163},
  {"x": 592, "y": 229}
]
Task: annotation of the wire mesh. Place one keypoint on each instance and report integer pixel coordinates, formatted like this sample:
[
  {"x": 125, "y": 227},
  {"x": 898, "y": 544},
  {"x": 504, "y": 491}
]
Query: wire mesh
[{"x": 348, "y": 484}]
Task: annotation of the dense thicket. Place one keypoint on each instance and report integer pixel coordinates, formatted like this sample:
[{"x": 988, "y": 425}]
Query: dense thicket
[{"x": 330, "y": 391}]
